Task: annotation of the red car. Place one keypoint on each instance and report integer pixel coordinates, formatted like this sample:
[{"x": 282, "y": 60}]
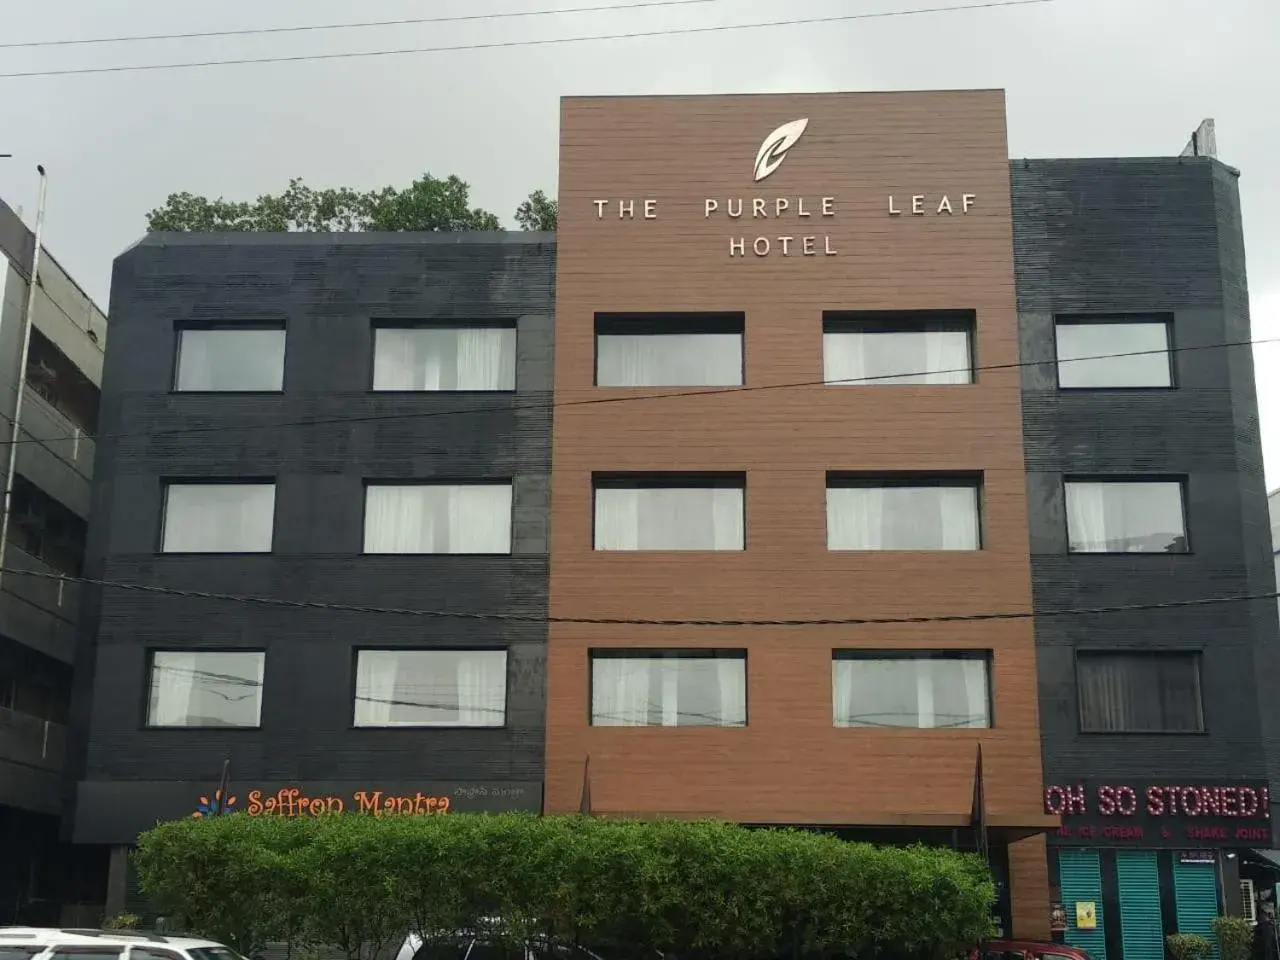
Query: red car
[{"x": 1031, "y": 950}]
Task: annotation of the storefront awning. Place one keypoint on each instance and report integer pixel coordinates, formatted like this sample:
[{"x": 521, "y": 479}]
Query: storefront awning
[{"x": 1270, "y": 858}]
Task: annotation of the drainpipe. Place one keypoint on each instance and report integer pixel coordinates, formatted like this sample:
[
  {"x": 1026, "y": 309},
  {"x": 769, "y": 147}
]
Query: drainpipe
[{"x": 11, "y": 473}]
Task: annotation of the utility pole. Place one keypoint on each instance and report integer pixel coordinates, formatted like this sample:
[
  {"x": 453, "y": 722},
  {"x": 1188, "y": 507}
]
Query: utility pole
[{"x": 15, "y": 436}]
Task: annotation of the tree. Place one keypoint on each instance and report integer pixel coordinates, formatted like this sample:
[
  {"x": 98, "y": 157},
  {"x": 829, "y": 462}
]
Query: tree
[
  {"x": 539, "y": 212},
  {"x": 429, "y": 203}
]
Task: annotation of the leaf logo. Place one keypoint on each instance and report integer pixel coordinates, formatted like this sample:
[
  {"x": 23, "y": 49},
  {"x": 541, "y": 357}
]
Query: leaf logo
[{"x": 774, "y": 149}]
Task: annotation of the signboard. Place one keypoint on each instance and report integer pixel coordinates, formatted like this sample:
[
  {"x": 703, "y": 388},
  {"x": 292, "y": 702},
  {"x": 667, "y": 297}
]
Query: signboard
[
  {"x": 1086, "y": 915},
  {"x": 1161, "y": 814},
  {"x": 117, "y": 811},
  {"x": 1057, "y": 918}
]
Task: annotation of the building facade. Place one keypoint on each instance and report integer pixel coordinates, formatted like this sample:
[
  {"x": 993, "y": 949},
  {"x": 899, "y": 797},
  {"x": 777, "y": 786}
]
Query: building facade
[
  {"x": 838, "y": 396},
  {"x": 53, "y": 473}
]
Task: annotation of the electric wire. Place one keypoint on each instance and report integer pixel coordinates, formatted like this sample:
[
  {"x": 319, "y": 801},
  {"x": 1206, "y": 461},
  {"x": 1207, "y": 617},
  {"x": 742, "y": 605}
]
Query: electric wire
[
  {"x": 639, "y": 621},
  {"x": 550, "y": 405},
  {"x": 526, "y": 42},
  {"x": 355, "y": 25}
]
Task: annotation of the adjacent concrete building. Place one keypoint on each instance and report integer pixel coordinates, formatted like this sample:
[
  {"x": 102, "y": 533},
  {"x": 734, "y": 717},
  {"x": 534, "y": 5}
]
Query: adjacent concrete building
[{"x": 49, "y": 515}]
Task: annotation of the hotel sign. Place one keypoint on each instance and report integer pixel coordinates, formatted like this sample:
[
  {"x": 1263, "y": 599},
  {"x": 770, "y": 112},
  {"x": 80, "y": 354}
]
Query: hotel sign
[{"x": 784, "y": 226}]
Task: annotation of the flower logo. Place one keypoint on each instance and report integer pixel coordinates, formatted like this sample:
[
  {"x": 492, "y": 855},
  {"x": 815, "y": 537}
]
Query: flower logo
[
  {"x": 774, "y": 149},
  {"x": 214, "y": 807}
]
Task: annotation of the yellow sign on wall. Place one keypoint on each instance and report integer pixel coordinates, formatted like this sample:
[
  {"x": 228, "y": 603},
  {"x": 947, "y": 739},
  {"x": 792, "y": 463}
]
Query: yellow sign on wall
[{"x": 1086, "y": 915}]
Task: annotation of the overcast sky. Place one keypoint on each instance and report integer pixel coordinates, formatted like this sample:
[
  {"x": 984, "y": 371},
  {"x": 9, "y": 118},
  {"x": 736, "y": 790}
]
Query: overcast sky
[{"x": 1083, "y": 78}]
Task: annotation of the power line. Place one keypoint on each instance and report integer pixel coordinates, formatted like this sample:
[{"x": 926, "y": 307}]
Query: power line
[
  {"x": 642, "y": 622},
  {"x": 531, "y": 42},
  {"x": 628, "y": 398},
  {"x": 304, "y": 28}
]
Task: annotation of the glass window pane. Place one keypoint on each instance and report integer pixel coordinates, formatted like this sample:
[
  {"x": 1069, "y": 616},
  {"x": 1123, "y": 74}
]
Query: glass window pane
[
  {"x": 924, "y": 355},
  {"x": 903, "y": 517},
  {"x": 230, "y": 360},
  {"x": 1125, "y": 517},
  {"x": 438, "y": 518},
  {"x": 1090, "y": 355},
  {"x": 669, "y": 518},
  {"x": 205, "y": 689},
  {"x": 669, "y": 360},
  {"x": 669, "y": 691},
  {"x": 431, "y": 688},
  {"x": 1139, "y": 693},
  {"x": 219, "y": 517},
  {"x": 444, "y": 358},
  {"x": 919, "y": 692}
]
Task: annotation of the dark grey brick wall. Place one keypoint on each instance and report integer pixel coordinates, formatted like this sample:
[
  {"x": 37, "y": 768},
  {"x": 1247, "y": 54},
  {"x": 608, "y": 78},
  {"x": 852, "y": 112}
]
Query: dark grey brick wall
[
  {"x": 1098, "y": 236},
  {"x": 327, "y": 290}
]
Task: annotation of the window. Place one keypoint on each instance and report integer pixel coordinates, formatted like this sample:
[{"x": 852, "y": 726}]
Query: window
[
  {"x": 476, "y": 357},
  {"x": 1125, "y": 516},
  {"x": 907, "y": 514},
  {"x": 669, "y": 689},
  {"x": 233, "y": 360},
  {"x": 1139, "y": 692},
  {"x": 438, "y": 518},
  {"x": 219, "y": 517},
  {"x": 670, "y": 513},
  {"x": 669, "y": 351},
  {"x": 897, "y": 348},
  {"x": 926, "y": 690},
  {"x": 195, "y": 688},
  {"x": 431, "y": 688},
  {"x": 1113, "y": 353}
]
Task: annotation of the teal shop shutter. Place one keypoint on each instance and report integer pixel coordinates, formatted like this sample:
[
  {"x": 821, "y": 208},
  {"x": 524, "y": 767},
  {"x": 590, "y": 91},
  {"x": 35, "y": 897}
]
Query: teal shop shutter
[
  {"x": 1141, "y": 924},
  {"x": 1195, "y": 890},
  {"x": 1080, "y": 878}
]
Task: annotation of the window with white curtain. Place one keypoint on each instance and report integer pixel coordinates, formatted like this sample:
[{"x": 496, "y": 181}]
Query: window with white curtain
[
  {"x": 479, "y": 357},
  {"x": 431, "y": 688},
  {"x": 1125, "y": 516},
  {"x": 201, "y": 688},
  {"x": 892, "y": 515},
  {"x": 906, "y": 349},
  {"x": 230, "y": 359},
  {"x": 644, "y": 515},
  {"x": 669, "y": 351},
  {"x": 218, "y": 517},
  {"x": 927, "y": 691},
  {"x": 437, "y": 518},
  {"x": 669, "y": 689},
  {"x": 1139, "y": 692},
  {"x": 1113, "y": 353}
]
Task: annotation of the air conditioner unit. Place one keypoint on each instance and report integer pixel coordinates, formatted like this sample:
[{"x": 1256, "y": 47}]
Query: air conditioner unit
[{"x": 1248, "y": 901}]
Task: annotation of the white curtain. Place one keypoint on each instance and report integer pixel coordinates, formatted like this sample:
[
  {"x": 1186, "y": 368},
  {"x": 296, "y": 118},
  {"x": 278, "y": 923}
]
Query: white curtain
[
  {"x": 206, "y": 689},
  {"x": 219, "y": 517},
  {"x": 1087, "y": 517},
  {"x": 731, "y": 674},
  {"x": 230, "y": 360},
  {"x": 926, "y": 707},
  {"x": 444, "y": 358},
  {"x": 947, "y": 355},
  {"x": 925, "y": 356},
  {"x": 977, "y": 700},
  {"x": 407, "y": 360},
  {"x": 620, "y": 691},
  {"x": 902, "y": 518},
  {"x": 959, "y": 507},
  {"x": 855, "y": 518},
  {"x": 669, "y": 518},
  {"x": 668, "y": 670},
  {"x": 669, "y": 360},
  {"x": 438, "y": 518},
  {"x": 1113, "y": 354},
  {"x": 173, "y": 677},
  {"x": 480, "y": 359},
  {"x": 878, "y": 693},
  {"x": 482, "y": 689},
  {"x": 376, "y": 694}
]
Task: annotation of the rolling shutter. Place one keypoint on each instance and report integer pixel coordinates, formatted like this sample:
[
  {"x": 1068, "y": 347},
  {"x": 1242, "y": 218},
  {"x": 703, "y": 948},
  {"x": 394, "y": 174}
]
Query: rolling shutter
[
  {"x": 1080, "y": 878},
  {"x": 1141, "y": 923},
  {"x": 1195, "y": 890}
]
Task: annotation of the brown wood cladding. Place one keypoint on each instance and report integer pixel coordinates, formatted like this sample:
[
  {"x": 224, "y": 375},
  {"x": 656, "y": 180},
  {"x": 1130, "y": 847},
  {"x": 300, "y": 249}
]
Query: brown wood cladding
[{"x": 790, "y": 765}]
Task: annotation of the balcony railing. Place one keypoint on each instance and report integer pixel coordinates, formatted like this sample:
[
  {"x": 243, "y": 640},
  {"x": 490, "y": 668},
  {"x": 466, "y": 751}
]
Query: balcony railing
[
  {"x": 45, "y": 422},
  {"x": 31, "y": 741}
]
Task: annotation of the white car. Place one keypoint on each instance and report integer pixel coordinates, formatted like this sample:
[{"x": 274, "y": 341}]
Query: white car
[{"x": 52, "y": 943}]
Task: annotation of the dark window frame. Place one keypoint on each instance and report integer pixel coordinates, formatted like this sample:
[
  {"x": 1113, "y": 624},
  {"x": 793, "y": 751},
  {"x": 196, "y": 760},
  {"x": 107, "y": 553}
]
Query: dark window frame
[
  {"x": 237, "y": 326},
  {"x": 671, "y": 480},
  {"x": 986, "y": 654},
  {"x": 1195, "y": 654},
  {"x": 440, "y": 323},
  {"x": 1183, "y": 481},
  {"x": 963, "y": 320},
  {"x": 149, "y": 653},
  {"x": 858, "y": 479},
  {"x": 671, "y": 653},
  {"x": 1166, "y": 319},
  {"x": 419, "y": 648},
  {"x": 726, "y": 322},
  {"x": 167, "y": 482}
]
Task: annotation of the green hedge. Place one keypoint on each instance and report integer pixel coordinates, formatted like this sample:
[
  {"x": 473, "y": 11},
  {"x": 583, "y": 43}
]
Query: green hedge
[{"x": 358, "y": 884}]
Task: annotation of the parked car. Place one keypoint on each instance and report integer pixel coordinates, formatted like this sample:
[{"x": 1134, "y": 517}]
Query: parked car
[
  {"x": 468, "y": 945},
  {"x": 1029, "y": 950},
  {"x": 53, "y": 943}
]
